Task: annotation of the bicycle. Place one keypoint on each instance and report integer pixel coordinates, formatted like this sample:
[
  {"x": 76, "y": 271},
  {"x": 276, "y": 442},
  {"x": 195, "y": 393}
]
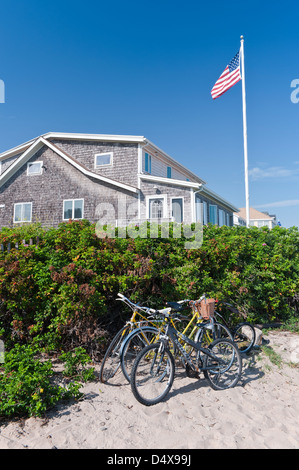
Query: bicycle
[
  {"x": 142, "y": 336},
  {"x": 243, "y": 332},
  {"x": 154, "y": 368},
  {"x": 111, "y": 361}
]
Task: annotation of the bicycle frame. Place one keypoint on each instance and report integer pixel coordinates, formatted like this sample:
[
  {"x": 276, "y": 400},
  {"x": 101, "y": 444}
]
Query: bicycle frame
[
  {"x": 174, "y": 335},
  {"x": 145, "y": 321}
]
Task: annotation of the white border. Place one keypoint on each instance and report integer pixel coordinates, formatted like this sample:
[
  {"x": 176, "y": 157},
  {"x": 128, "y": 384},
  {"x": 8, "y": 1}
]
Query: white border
[
  {"x": 97, "y": 167},
  {"x": 183, "y": 206},
  {"x": 14, "y": 213},
  {"x": 33, "y": 163},
  {"x": 73, "y": 200},
  {"x": 157, "y": 196}
]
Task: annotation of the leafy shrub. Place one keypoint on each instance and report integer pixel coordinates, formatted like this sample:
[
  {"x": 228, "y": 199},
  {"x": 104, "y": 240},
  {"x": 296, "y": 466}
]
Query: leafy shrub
[
  {"x": 26, "y": 384},
  {"x": 61, "y": 293},
  {"x": 75, "y": 365}
]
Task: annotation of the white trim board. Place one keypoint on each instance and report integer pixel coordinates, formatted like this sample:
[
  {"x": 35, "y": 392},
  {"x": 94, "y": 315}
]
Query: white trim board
[
  {"x": 37, "y": 145},
  {"x": 170, "y": 181}
]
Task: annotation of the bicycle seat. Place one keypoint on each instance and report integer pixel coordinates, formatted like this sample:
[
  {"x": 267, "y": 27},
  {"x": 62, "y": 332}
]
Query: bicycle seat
[{"x": 175, "y": 306}]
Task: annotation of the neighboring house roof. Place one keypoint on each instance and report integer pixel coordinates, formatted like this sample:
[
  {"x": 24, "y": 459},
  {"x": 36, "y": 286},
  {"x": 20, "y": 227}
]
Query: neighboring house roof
[
  {"x": 254, "y": 214},
  {"x": 37, "y": 145}
]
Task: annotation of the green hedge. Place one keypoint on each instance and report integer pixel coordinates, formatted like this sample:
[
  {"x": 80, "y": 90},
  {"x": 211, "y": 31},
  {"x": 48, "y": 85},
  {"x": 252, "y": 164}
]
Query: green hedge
[
  {"x": 59, "y": 296},
  {"x": 61, "y": 293}
]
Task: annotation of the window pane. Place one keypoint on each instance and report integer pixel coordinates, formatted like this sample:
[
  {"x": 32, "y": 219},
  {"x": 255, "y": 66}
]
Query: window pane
[
  {"x": 169, "y": 172},
  {"x": 198, "y": 209},
  {"x": 146, "y": 162},
  {"x": 34, "y": 168},
  {"x": 27, "y": 212},
  {"x": 78, "y": 211},
  {"x": 221, "y": 217},
  {"x": 68, "y": 209},
  {"x": 18, "y": 212},
  {"x": 205, "y": 212},
  {"x": 156, "y": 208},
  {"x": 213, "y": 214},
  {"x": 104, "y": 159},
  {"x": 177, "y": 210}
]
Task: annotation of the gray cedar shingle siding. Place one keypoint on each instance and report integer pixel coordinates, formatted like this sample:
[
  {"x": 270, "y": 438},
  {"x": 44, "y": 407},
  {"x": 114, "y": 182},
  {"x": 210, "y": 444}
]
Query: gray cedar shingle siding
[
  {"x": 103, "y": 201},
  {"x": 59, "y": 181},
  {"x": 171, "y": 191},
  {"x": 125, "y": 158}
]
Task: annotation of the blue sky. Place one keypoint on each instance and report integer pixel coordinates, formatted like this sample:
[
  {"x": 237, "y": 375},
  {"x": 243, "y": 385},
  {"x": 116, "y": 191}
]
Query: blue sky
[{"x": 147, "y": 68}]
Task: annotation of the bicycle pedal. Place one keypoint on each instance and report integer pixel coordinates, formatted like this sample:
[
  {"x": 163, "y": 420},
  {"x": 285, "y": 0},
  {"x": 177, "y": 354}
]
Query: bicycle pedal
[{"x": 191, "y": 373}]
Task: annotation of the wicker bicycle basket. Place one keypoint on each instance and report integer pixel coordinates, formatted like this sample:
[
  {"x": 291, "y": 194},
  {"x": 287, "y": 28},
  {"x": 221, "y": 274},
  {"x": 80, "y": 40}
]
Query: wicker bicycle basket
[{"x": 206, "y": 308}]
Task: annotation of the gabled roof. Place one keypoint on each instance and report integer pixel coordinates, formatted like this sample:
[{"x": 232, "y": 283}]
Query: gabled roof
[
  {"x": 137, "y": 139},
  {"x": 37, "y": 145},
  {"x": 254, "y": 214}
]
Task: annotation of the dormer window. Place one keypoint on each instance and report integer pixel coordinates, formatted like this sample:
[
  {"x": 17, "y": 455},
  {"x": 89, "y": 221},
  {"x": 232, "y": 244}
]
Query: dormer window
[
  {"x": 34, "y": 168},
  {"x": 103, "y": 159}
]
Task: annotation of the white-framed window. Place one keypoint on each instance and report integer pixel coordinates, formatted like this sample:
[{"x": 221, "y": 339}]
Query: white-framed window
[
  {"x": 169, "y": 172},
  {"x": 177, "y": 209},
  {"x": 34, "y": 168},
  {"x": 103, "y": 159},
  {"x": 199, "y": 215},
  {"x": 22, "y": 212},
  {"x": 73, "y": 209},
  {"x": 156, "y": 206}
]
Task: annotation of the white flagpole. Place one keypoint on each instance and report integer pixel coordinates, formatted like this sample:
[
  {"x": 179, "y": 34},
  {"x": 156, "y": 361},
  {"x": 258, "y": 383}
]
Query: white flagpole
[{"x": 245, "y": 133}]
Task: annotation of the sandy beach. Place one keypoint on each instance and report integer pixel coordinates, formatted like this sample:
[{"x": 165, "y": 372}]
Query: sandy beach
[{"x": 261, "y": 412}]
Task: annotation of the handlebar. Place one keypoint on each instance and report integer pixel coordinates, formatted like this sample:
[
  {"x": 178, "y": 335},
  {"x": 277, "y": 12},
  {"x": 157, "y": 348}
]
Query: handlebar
[
  {"x": 165, "y": 311},
  {"x": 133, "y": 306}
]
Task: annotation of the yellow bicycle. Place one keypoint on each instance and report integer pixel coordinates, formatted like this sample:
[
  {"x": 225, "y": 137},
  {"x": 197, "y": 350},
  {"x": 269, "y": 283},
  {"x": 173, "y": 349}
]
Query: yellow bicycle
[
  {"x": 142, "y": 316},
  {"x": 145, "y": 327}
]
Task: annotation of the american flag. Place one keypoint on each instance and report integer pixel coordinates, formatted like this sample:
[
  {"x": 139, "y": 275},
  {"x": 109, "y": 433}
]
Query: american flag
[{"x": 228, "y": 78}]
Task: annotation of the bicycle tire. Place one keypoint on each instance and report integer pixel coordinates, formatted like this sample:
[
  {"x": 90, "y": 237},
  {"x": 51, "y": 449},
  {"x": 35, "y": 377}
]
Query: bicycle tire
[
  {"x": 152, "y": 374},
  {"x": 223, "y": 371},
  {"x": 218, "y": 330},
  {"x": 133, "y": 344},
  {"x": 111, "y": 363},
  {"x": 244, "y": 337}
]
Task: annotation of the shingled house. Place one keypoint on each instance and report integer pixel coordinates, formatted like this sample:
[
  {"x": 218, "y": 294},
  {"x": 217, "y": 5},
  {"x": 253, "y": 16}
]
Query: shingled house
[{"x": 110, "y": 178}]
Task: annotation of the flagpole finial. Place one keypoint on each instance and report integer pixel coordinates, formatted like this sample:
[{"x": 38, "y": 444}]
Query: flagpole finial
[{"x": 242, "y": 38}]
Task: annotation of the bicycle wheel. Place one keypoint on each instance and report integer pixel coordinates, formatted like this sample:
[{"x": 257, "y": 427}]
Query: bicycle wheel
[
  {"x": 244, "y": 337},
  {"x": 111, "y": 362},
  {"x": 152, "y": 374},
  {"x": 209, "y": 332},
  {"x": 133, "y": 344},
  {"x": 222, "y": 370}
]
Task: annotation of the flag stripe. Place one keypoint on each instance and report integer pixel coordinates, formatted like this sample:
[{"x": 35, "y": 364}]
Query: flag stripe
[
  {"x": 233, "y": 78},
  {"x": 224, "y": 80},
  {"x": 228, "y": 81},
  {"x": 223, "y": 91},
  {"x": 229, "y": 77}
]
